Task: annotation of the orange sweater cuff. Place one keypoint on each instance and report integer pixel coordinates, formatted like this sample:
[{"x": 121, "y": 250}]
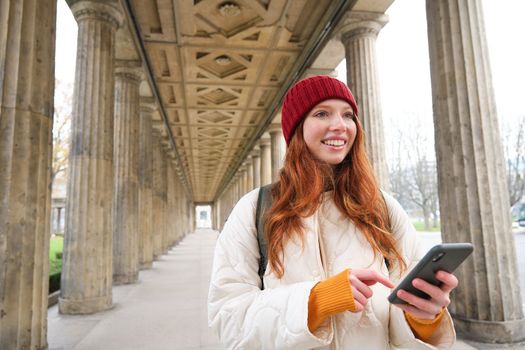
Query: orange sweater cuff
[
  {"x": 423, "y": 329},
  {"x": 329, "y": 297}
]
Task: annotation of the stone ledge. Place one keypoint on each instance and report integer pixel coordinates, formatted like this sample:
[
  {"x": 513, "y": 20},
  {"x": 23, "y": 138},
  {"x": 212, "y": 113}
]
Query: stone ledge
[{"x": 52, "y": 299}]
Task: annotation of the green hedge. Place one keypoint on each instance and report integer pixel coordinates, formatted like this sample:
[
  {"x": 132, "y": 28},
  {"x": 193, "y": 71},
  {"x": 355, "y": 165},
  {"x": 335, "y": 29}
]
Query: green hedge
[{"x": 54, "y": 282}]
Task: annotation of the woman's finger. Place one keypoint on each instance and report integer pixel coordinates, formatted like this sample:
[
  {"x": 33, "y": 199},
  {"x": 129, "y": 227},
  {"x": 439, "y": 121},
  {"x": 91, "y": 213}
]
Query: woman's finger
[
  {"x": 359, "y": 285},
  {"x": 416, "y": 312},
  {"x": 359, "y": 298},
  {"x": 436, "y": 293},
  {"x": 449, "y": 281},
  {"x": 424, "y": 305},
  {"x": 358, "y": 307},
  {"x": 371, "y": 277}
]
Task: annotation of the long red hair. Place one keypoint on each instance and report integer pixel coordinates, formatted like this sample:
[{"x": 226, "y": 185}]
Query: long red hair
[{"x": 356, "y": 193}]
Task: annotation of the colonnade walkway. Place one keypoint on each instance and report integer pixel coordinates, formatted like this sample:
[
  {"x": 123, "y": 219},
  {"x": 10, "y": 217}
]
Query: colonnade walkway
[{"x": 166, "y": 309}]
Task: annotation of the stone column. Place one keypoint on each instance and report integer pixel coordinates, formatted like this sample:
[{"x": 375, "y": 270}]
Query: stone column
[
  {"x": 157, "y": 200},
  {"x": 217, "y": 214},
  {"x": 266, "y": 161},
  {"x": 183, "y": 214},
  {"x": 240, "y": 186},
  {"x": 191, "y": 209},
  {"x": 256, "y": 164},
  {"x": 57, "y": 220},
  {"x": 125, "y": 154},
  {"x": 87, "y": 261},
  {"x": 234, "y": 191},
  {"x": 164, "y": 198},
  {"x": 473, "y": 195},
  {"x": 249, "y": 171},
  {"x": 186, "y": 216},
  {"x": 178, "y": 209},
  {"x": 247, "y": 180},
  {"x": 169, "y": 205},
  {"x": 145, "y": 184},
  {"x": 243, "y": 179},
  {"x": 172, "y": 200},
  {"x": 27, "y": 42},
  {"x": 278, "y": 150},
  {"x": 222, "y": 207},
  {"x": 359, "y": 33}
]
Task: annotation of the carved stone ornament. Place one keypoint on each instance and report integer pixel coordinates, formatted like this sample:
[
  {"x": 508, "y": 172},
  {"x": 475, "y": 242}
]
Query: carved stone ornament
[{"x": 229, "y": 9}]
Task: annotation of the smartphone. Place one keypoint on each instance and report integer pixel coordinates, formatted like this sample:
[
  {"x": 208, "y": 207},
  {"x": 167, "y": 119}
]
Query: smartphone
[{"x": 446, "y": 257}]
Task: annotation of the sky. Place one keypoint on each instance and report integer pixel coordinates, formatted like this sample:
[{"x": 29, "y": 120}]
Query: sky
[{"x": 403, "y": 63}]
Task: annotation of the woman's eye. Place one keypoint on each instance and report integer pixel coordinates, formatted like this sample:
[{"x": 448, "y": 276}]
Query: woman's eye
[
  {"x": 321, "y": 114},
  {"x": 349, "y": 115}
]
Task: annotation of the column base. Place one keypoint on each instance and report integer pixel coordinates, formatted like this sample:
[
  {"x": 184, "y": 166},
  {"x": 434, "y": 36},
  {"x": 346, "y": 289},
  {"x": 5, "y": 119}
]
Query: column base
[
  {"x": 85, "y": 306},
  {"x": 503, "y": 332},
  {"x": 125, "y": 279},
  {"x": 146, "y": 265}
]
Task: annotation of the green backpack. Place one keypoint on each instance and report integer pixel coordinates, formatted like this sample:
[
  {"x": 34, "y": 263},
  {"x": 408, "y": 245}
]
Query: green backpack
[{"x": 264, "y": 201}]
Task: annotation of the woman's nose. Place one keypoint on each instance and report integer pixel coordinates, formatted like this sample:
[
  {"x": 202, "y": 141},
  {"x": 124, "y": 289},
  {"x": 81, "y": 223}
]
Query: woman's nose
[{"x": 337, "y": 122}]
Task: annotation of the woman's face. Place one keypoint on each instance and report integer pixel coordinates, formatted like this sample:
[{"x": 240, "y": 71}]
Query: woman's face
[{"x": 329, "y": 130}]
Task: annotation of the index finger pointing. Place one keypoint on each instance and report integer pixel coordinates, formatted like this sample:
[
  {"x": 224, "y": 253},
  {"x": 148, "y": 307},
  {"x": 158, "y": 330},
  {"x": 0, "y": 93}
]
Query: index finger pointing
[{"x": 370, "y": 277}]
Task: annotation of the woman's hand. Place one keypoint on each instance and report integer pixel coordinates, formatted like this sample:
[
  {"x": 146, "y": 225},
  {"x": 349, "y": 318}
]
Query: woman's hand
[
  {"x": 360, "y": 280},
  {"x": 428, "y": 309}
]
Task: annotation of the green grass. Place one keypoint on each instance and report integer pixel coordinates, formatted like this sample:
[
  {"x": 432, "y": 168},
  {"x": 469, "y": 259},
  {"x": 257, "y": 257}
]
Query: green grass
[
  {"x": 420, "y": 226},
  {"x": 55, "y": 246}
]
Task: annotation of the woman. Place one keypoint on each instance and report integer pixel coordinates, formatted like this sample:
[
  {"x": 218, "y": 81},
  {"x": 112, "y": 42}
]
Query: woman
[{"x": 336, "y": 246}]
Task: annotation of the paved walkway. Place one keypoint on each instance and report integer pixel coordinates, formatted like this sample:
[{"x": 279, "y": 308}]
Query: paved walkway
[{"x": 165, "y": 310}]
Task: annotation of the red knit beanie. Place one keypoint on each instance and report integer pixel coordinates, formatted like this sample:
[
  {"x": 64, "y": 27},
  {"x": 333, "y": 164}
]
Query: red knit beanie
[{"x": 307, "y": 93}]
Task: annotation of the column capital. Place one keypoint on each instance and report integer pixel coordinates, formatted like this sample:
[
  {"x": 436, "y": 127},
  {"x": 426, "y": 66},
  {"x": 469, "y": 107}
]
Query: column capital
[
  {"x": 256, "y": 152},
  {"x": 124, "y": 70},
  {"x": 156, "y": 132},
  {"x": 265, "y": 142},
  {"x": 275, "y": 128},
  {"x": 108, "y": 11},
  {"x": 241, "y": 169},
  {"x": 157, "y": 125},
  {"x": 361, "y": 23},
  {"x": 310, "y": 72},
  {"x": 147, "y": 104},
  {"x": 165, "y": 141}
]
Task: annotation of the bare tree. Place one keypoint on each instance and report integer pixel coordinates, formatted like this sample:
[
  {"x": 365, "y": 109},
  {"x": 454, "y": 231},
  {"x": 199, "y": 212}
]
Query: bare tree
[
  {"x": 398, "y": 169},
  {"x": 61, "y": 129},
  {"x": 413, "y": 174},
  {"x": 423, "y": 179},
  {"x": 514, "y": 145}
]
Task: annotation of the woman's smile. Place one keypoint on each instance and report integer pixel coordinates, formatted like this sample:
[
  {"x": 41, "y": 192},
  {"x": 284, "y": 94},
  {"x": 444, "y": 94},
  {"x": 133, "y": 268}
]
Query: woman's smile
[{"x": 329, "y": 130}]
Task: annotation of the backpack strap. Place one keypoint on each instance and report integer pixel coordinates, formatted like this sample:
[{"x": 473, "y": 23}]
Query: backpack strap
[
  {"x": 264, "y": 201},
  {"x": 387, "y": 263}
]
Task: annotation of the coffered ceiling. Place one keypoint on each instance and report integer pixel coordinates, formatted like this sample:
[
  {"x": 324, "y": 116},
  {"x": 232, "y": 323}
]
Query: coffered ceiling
[{"x": 219, "y": 70}]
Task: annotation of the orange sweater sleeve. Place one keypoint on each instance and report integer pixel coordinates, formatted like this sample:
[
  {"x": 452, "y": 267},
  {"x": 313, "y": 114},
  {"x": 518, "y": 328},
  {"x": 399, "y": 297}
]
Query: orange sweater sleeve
[
  {"x": 423, "y": 329},
  {"x": 329, "y": 297}
]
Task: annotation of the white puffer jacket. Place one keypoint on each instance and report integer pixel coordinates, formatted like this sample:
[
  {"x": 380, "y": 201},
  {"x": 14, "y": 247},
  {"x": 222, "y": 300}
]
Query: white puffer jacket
[{"x": 246, "y": 317}]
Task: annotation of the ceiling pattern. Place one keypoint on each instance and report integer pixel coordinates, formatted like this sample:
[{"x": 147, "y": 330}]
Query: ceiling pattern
[{"x": 218, "y": 66}]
